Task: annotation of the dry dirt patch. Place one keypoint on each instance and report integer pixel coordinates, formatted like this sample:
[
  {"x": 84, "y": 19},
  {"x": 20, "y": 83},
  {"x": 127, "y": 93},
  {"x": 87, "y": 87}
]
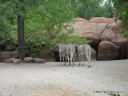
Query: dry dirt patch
[{"x": 48, "y": 90}]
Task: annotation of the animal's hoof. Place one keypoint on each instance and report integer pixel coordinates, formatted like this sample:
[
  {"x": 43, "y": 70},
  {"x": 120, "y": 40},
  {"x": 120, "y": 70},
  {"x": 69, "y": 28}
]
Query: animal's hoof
[
  {"x": 89, "y": 66},
  {"x": 64, "y": 64}
]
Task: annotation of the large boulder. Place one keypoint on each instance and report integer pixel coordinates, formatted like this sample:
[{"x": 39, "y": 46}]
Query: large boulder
[
  {"x": 117, "y": 26},
  {"x": 90, "y": 30},
  {"x": 122, "y": 42},
  {"x": 108, "y": 35},
  {"x": 103, "y": 20},
  {"x": 100, "y": 29},
  {"x": 108, "y": 51}
]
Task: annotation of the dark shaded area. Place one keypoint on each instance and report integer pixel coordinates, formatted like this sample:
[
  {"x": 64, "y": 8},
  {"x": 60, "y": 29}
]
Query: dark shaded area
[
  {"x": 56, "y": 56},
  {"x": 123, "y": 51},
  {"x": 95, "y": 47}
]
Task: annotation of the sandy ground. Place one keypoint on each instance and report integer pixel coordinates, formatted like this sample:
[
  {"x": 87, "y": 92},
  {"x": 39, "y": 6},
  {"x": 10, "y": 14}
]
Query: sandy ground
[{"x": 50, "y": 79}]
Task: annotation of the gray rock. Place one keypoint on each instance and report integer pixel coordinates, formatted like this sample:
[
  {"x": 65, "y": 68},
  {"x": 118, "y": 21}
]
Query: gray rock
[
  {"x": 28, "y": 59},
  {"x": 108, "y": 51},
  {"x": 33, "y": 55},
  {"x": 16, "y": 61},
  {"x": 9, "y": 60},
  {"x": 39, "y": 60}
]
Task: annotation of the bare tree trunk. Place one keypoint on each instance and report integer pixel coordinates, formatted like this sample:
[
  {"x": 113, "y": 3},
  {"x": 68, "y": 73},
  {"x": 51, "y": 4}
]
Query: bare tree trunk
[{"x": 21, "y": 41}]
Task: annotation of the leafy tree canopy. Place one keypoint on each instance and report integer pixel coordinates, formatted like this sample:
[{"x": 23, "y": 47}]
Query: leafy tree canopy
[
  {"x": 45, "y": 20},
  {"x": 122, "y": 11},
  {"x": 92, "y": 8}
]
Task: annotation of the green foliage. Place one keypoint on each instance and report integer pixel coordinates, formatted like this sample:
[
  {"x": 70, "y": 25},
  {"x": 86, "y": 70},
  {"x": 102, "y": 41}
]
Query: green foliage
[
  {"x": 113, "y": 94},
  {"x": 107, "y": 9},
  {"x": 67, "y": 38},
  {"x": 9, "y": 10},
  {"x": 4, "y": 31},
  {"x": 126, "y": 33},
  {"x": 92, "y": 8},
  {"x": 6, "y": 10},
  {"x": 70, "y": 39},
  {"x": 6, "y": 19},
  {"x": 122, "y": 11},
  {"x": 44, "y": 20},
  {"x": 44, "y": 23}
]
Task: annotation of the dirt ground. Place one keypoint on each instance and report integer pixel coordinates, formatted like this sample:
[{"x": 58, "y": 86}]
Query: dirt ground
[{"x": 50, "y": 79}]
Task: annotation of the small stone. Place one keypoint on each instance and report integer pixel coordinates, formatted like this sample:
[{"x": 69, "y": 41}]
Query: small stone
[
  {"x": 89, "y": 66},
  {"x": 9, "y": 60},
  {"x": 16, "y": 61},
  {"x": 39, "y": 60},
  {"x": 28, "y": 59}
]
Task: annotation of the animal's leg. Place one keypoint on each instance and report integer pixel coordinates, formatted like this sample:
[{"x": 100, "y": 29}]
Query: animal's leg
[
  {"x": 88, "y": 58},
  {"x": 65, "y": 60},
  {"x": 83, "y": 59},
  {"x": 71, "y": 60},
  {"x": 68, "y": 60},
  {"x": 79, "y": 59},
  {"x": 60, "y": 58}
]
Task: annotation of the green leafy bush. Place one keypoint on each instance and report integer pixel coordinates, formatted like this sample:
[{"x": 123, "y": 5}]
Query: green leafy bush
[
  {"x": 4, "y": 31},
  {"x": 44, "y": 23},
  {"x": 113, "y": 94}
]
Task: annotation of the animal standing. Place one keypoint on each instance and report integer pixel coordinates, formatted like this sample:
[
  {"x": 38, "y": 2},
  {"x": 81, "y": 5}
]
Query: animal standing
[
  {"x": 67, "y": 53},
  {"x": 84, "y": 50},
  {"x": 62, "y": 52},
  {"x": 71, "y": 50}
]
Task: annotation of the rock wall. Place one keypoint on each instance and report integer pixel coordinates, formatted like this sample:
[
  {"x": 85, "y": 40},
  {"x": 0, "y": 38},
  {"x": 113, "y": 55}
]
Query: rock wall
[
  {"x": 6, "y": 55},
  {"x": 101, "y": 29}
]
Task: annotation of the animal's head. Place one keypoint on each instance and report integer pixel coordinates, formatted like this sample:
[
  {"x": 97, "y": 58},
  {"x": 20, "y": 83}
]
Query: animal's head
[{"x": 60, "y": 46}]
